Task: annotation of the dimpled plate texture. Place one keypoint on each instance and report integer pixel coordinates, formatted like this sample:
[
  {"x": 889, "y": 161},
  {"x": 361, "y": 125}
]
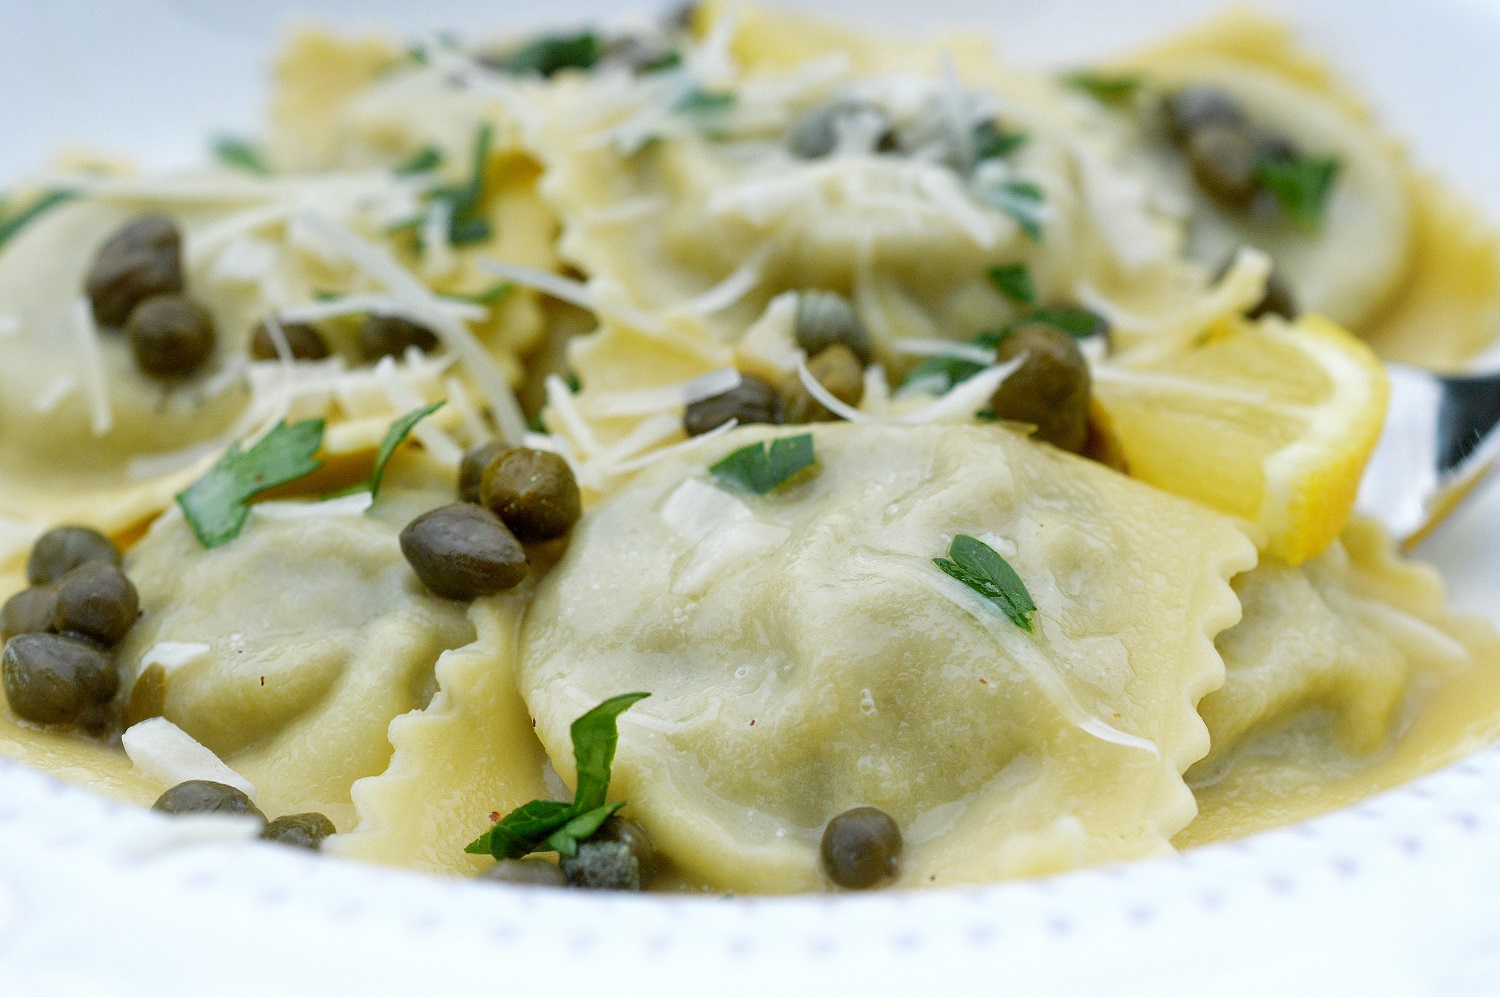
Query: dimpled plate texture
[{"x": 1394, "y": 896}]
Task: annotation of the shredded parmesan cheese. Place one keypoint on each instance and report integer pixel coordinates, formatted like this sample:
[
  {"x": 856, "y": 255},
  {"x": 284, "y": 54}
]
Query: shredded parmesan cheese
[
  {"x": 562, "y": 288},
  {"x": 671, "y": 396},
  {"x": 173, "y": 655},
  {"x": 61, "y": 387},
  {"x": 91, "y": 367},
  {"x": 344, "y": 507},
  {"x": 165, "y": 752}
]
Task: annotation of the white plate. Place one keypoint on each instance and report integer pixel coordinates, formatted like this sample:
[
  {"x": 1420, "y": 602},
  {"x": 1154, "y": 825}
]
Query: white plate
[{"x": 1394, "y": 896}]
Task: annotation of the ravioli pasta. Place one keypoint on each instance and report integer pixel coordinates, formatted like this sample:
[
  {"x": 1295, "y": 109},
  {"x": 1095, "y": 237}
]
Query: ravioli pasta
[{"x": 666, "y": 417}]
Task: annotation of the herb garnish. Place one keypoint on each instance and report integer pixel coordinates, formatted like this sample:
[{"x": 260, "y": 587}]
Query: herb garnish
[
  {"x": 486, "y": 297},
  {"x": 1014, "y": 281},
  {"x": 976, "y": 564},
  {"x": 991, "y": 141},
  {"x": 1080, "y": 323},
  {"x": 762, "y": 469},
  {"x": 554, "y": 53},
  {"x": 706, "y": 102},
  {"x": 550, "y": 825},
  {"x": 952, "y": 370},
  {"x": 424, "y": 160},
  {"x": 216, "y": 505},
  {"x": 399, "y": 431},
  {"x": 1301, "y": 185},
  {"x": 47, "y": 201},
  {"x": 1107, "y": 88},
  {"x": 467, "y": 200},
  {"x": 1022, "y": 201},
  {"x": 242, "y": 154}
]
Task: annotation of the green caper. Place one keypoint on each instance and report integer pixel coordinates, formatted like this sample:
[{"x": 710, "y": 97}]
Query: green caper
[
  {"x": 170, "y": 336},
  {"x": 754, "y": 400},
  {"x": 634, "y": 837},
  {"x": 861, "y": 848},
  {"x": 818, "y": 132},
  {"x": 534, "y": 492},
  {"x": 525, "y": 872},
  {"x": 825, "y": 318},
  {"x": 1198, "y": 107},
  {"x": 1223, "y": 161},
  {"x": 96, "y": 601},
  {"x": 463, "y": 551},
  {"x": 29, "y": 611},
  {"x": 471, "y": 469},
  {"x": 299, "y": 830},
  {"x": 200, "y": 796},
  {"x": 1050, "y": 389},
  {"x": 148, "y": 697},
  {"x": 303, "y": 342},
  {"x": 391, "y": 336},
  {"x": 140, "y": 261},
  {"x": 63, "y": 548},
  {"x": 838, "y": 370},
  {"x": 602, "y": 865},
  {"x": 51, "y": 679}
]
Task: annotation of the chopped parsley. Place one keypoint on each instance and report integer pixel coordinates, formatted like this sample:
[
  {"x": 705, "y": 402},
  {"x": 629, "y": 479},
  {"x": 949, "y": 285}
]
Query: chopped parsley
[
  {"x": 467, "y": 199},
  {"x": 424, "y": 160},
  {"x": 217, "y": 504},
  {"x": 399, "y": 431},
  {"x": 11, "y": 224},
  {"x": 1106, "y": 88},
  {"x": 762, "y": 469},
  {"x": 1014, "y": 281},
  {"x": 554, "y": 826},
  {"x": 991, "y": 141},
  {"x": 574, "y": 385},
  {"x": 1301, "y": 185},
  {"x": 552, "y": 54},
  {"x": 670, "y": 59},
  {"x": 1080, "y": 323},
  {"x": 242, "y": 154},
  {"x": 486, "y": 297},
  {"x": 944, "y": 372},
  {"x": 976, "y": 564},
  {"x": 705, "y": 102},
  {"x": 1022, "y": 201}
]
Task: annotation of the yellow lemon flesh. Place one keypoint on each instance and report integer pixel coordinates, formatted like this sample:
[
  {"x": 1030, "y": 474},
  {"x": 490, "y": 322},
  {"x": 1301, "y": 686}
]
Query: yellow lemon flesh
[{"x": 1271, "y": 422}]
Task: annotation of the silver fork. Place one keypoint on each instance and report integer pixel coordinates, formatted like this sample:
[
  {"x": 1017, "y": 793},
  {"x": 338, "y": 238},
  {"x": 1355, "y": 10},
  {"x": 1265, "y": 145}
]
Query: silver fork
[{"x": 1439, "y": 442}]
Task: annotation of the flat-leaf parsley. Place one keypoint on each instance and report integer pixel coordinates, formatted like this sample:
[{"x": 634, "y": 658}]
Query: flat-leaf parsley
[
  {"x": 763, "y": 469},
  {"x": 976, "y": 564},
  {"x": 216, "y": 505}
]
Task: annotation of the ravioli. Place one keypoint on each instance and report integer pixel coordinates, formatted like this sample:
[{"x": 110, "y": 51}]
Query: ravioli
[{"x": 804, "y": 656}]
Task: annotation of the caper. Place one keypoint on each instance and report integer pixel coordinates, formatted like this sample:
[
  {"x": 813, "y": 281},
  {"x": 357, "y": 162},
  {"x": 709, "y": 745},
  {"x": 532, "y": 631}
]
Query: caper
[
  {"x": 140, "y": 261},
  {"x": 170, "y": 336},
  {"x": 1223, "y": 161},
  {"x": 602, "y": 865},
  {"x": 1050, "y": 389},
  {"x": 299, "y": 830},
  {"x": 200, "y": 796},
  {"x": 148, "y": 697},
  {"x": 861, "y": 848},
  {"x": 825, "y": 318},
  {"x": 29, "y": 611},
  {"x": 1197, "y": 107},
  {"x": 754, "y": 400},
  {"x": 391, "y": 336},
  {"x": 471, "y": 469},
  {"x": 534, "y": 492},
  {"x": 634, "y": 837},
  {"x": 51, "y": 679},
  {"x": 463, "y": 551},
  {"x": 303, "y": 342},
  {"x": 96, "y": 601},
  {"x": 63, "y": 548},
  {"x": 820, "y": 131},
  {"x": 838, "y": 370},
  {"x": 525, "y": 872}
]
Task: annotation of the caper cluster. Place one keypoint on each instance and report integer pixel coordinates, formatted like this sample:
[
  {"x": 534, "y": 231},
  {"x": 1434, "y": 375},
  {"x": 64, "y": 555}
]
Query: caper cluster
[
  {"x": 838, "y": 347},
  {"x": 136, "y": 285},
  {"x": 510, "y": 496},
  {"x": 200, "y": 796},
  {"x": 56, "y": 667},
  {"x": 619, "y": 856},
  {"x": 379, "y": 336}
]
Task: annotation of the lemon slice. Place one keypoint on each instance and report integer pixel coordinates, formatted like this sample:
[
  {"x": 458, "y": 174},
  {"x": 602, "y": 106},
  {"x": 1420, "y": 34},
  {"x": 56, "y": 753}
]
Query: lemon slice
[{"x": 1269, "y": 422}]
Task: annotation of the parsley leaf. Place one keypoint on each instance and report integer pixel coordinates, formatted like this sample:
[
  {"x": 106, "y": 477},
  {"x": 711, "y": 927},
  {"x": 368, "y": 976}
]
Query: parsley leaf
[
  {"x": 1301, "y": 185},
  {"x": 705, "y": 102},
  {"x": 242, "y": 154},
  {"x": 394, "y": 437},
  {"x": 1022, "y": 201},
  {"x": 13, "y": 224},
  {"x": 216, "y": 504},
  {"x": 553, "y": 53},
  {"x": 1014, "y": 281},
  {"x": 762, "y": 469},
  {"x": 944, "y": 371},
  {"x": 991, "y": 141},
  {"x": 1080, "y": 323},
  {"x": 424, "y": 160},
  {"x": 487, "y": 297},
  {"x": 550, "y": 825},
  {"x": 1106, "y": 88},
  {"x": 976, "y": 564},
  {"x": 467, "y": 200}
]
